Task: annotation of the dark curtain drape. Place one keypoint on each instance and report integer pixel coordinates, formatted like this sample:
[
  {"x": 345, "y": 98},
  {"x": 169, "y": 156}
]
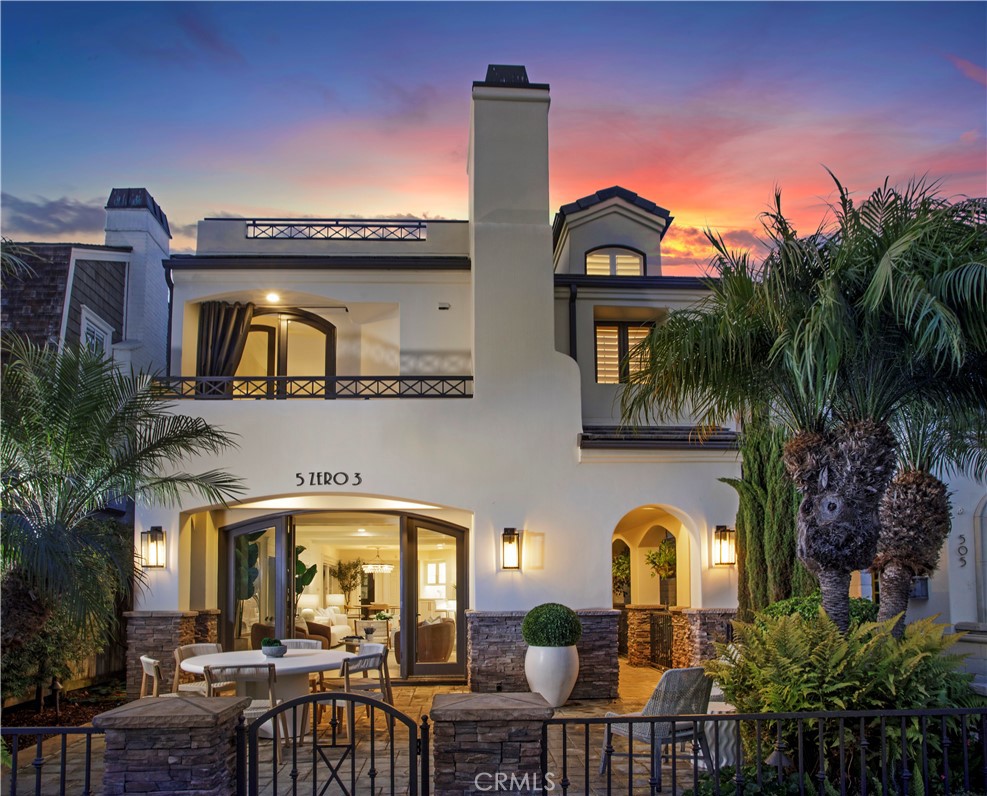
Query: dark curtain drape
[{"x": 223, "y": 331}]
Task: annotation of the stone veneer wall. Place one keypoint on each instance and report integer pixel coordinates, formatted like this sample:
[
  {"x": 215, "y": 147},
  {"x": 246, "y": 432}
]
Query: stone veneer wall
[
  {"x": 693, "y": 632},
  {"x": 183, "y": 745},
  {"x": 207, "y": 626},
  {"x": 495, "y": 653},
  {"x": 156, "y": 633},
  {"x": 477, "y": 736}
]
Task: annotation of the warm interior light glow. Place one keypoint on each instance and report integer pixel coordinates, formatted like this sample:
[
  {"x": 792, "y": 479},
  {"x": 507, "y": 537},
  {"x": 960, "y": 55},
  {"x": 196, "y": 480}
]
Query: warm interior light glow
[
  {"x": 377, "y": 566},
  {"x": 273, "y": 298},
  {"x": 336, "y": 599},
  {"x": 510, "y": 549},
  {"x": 153, "y": 548},
  {"x": 724, "y": 546}
]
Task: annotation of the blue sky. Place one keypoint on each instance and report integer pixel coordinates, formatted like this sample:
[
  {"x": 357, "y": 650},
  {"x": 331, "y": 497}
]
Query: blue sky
[{"x": 361, "y": 109}]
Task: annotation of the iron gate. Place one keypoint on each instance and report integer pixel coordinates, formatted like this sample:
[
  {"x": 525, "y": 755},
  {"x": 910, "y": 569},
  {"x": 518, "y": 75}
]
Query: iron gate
[
  {"x": 341, "y": 744},
  {"x": 661, "y": 639}
]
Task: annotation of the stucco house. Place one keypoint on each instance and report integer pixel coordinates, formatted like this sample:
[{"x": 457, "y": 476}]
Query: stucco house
[{"x": 437, "y": 399}]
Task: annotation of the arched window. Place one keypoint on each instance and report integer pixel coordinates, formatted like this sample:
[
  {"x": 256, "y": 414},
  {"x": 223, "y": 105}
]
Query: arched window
[
  {"x": 289, "y": 343},
  {"x": 614, "y": 261}
]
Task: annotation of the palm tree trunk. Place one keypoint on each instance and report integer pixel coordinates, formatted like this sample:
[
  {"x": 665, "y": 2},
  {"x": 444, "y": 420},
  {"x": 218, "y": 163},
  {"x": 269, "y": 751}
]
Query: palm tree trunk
[
  {"x": 841, "y": 476},
  {"x": 896, "y": 582}
]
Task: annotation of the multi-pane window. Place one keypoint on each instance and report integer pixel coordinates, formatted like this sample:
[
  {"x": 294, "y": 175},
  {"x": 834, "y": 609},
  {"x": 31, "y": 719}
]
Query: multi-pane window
[
  {"x": 615, "y": 340},
  {"x": 614, "y": 261},
  {"x": 95, "y": 333}
]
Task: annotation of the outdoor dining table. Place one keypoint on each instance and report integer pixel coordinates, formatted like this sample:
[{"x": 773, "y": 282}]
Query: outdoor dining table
[{"x": 292, "y": 669}]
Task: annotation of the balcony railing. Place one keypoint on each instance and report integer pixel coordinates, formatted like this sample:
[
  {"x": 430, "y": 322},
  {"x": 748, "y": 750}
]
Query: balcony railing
[
  {"x": 333, "y": 229},
  {"x": 280, "y": 387}
]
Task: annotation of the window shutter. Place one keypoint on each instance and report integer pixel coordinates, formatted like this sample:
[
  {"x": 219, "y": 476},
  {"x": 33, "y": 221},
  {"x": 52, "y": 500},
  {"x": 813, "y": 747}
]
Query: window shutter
[{"x": 607, "y": 354}]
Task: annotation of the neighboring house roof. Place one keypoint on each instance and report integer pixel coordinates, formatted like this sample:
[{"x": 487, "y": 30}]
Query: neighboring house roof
[
  {"x": 33, "y": 244},
  {"x": 658, "y": 437},
  {"x": 508, "y": 76},
  {"x": 137, "y": 198},
  {"x": 623, "y": 282},
  {"x": 603, "y": 195}
]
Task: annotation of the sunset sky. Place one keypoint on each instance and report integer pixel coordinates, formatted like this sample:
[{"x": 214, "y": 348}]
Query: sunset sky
[{"x": 362, "y": 109}]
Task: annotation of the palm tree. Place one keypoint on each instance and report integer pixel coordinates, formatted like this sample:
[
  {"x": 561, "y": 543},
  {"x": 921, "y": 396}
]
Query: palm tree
[
  {"x": 915, "y": 510},
  {"x": 830, "y": 334},
  {"x": 76, "y": 438}
]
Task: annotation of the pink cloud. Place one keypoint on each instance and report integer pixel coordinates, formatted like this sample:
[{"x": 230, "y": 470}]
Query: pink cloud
[{"x": 976, "y": 73}]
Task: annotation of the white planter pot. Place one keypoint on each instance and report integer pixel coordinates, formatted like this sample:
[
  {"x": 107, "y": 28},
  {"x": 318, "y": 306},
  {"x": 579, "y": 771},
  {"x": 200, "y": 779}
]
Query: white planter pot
[{"x": 552, "y": 672}]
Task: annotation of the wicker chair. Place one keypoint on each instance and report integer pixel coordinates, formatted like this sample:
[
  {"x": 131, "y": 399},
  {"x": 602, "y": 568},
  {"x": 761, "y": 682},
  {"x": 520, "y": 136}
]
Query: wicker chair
[
  {"x": 679, "y": 692},
  {"x": 198, "y": 688},
  {"x": 260, "y": 673}
]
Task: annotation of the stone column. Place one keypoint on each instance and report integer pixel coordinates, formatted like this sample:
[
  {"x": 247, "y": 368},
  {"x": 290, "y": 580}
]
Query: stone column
[
  {"x": 156, "y": 633},
  {"x": 478, "y": 736},
  {"x": 180, "y": 745},
  {"x": 495, "y": 653},
  {"x": 706, "y": 626},
  {"x": 639, "y": 634},
  {"x": 207, "y": 625}
]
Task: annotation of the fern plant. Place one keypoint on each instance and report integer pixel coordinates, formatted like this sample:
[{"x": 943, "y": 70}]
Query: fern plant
[{"x": 795, "y": 664}]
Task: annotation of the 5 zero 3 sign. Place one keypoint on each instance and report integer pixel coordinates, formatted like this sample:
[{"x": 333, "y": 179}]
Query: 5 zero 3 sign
[{"x": 328, "y": 479}]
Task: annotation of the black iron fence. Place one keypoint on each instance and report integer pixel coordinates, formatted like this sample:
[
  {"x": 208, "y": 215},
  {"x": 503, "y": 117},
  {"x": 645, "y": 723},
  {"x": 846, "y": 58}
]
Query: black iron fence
[
  {"x": 56, "y": 760},
  {"x": 928, "y": 752},
  {"x": 259, "y": 388}
]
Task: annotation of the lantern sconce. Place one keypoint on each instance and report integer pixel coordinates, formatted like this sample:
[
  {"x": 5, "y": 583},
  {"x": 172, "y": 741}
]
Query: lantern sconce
[
  {"x": 153, "y": 548},
  {"x": 510, "y": 550},
  {"x": 724, "y": 546}
]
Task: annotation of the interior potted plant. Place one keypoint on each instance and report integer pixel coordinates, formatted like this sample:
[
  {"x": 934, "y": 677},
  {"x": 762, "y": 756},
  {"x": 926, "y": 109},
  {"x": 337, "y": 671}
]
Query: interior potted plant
[
  {"x": 663, "y": 563},
  {"x": 551, "y": 664},
  {"x": 272, "y": 647}
]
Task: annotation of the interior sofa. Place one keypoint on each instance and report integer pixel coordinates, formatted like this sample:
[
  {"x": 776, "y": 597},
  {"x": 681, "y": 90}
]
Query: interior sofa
[{"x": 260, "y": 631}]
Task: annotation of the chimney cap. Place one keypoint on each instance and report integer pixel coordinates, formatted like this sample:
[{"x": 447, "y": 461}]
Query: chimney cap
[
  {"x": 508, "y": 76},
  {"x": 137, "y": 198}
]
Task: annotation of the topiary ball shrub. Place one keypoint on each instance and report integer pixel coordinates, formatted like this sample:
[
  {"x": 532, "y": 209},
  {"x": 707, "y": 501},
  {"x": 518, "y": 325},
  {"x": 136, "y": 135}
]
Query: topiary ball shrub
[
  {"x": 861, "y": 610},
  {"x": 551, "y": 625}
]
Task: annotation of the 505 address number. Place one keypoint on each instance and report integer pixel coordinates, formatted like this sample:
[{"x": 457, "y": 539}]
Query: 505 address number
[{"x": 328, "y": 479}]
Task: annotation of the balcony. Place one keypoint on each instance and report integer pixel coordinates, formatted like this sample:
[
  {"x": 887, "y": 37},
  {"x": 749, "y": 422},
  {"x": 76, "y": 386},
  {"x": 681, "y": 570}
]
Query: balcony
[{"x": 261, "y": 388}]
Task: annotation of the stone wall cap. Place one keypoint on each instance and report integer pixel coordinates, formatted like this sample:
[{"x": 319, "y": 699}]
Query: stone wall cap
[
  {"x": 160, "y": 713},
  {"x": 580, "y": 611},
  {"x": 208, "y": 611},
  {"x": 490, "y": 707},
  {"x": 158, "y": 614},
  {"x": 708, "y": 610}
]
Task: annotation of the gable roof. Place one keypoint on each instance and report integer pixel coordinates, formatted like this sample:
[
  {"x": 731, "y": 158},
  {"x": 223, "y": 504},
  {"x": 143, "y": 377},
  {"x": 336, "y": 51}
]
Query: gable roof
[{"x": 603, "y": 195}]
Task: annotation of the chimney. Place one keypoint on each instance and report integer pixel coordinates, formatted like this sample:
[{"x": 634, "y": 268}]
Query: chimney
[{"x": 134, "y": 219}]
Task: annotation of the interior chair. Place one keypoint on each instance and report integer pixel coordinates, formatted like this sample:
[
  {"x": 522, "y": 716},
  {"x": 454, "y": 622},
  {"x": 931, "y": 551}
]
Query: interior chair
[
  {"x": 331, "y": 623},
  {"x": 434, "y": 644},
  {"x": 151, "y": 673},
  {"x": 679, "y": 692},
  {"x": 197, "y": 688},
  {"x": 259, "y": 673}
]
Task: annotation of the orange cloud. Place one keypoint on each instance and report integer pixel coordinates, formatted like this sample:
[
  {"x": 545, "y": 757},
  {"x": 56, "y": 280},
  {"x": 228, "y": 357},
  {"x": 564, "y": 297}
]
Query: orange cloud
[{"x": 976, "y": 73}]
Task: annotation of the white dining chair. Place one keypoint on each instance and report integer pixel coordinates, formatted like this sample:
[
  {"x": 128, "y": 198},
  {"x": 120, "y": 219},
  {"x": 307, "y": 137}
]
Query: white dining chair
[
  {"x": 197, "y": 688},
  {"x": 151, "y": 673}
]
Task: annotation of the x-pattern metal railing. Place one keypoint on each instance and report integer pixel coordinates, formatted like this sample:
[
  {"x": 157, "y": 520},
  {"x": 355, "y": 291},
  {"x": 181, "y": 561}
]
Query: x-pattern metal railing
[
  {"x": 282, "y": 387},
  {"x": 332, "y": 229}
]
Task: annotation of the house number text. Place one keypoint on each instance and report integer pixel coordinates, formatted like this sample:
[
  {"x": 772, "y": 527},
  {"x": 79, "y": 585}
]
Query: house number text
[{"x": 328, "y": 479}]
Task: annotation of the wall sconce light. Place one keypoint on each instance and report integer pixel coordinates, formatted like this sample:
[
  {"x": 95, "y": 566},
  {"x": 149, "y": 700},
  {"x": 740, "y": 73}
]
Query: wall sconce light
[
  {"x": 724, "y": 546},
  {"x": 153, "y": 548},
  {"x": 510, "y": 542}
]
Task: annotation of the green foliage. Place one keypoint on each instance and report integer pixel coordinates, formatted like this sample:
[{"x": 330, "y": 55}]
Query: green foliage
[
  {"x": 348, "y": 575},
  {"x": 551, "y": 625},
  {"x": 768, "y": 569},
  {"x": 267, "y": 641},
  {"x": 620, "y": 568},
  {"x": 303, "y": 575},
  {"x": 245, "y": 556},
  {"x": 383, "y": 616},
  {"x": 724, "y": 783},
  {"x": 793, "y": 664},
  {"x": 861, "y": 610},
  {"x": 662, "y": 559}
]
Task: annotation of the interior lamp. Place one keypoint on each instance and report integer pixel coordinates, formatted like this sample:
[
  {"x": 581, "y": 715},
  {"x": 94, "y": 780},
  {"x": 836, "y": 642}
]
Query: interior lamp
[
  {"x": 510, "y": 542},
  {"x": 153, "y": 548},
  {"x": 724, "y": 546}
]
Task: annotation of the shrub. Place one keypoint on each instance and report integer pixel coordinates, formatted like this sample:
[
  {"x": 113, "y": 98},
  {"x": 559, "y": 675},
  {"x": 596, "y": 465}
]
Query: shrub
[
  {"x": 551, "y": 625},
  {"x": 861, "y": 610},
  {"x": 267, "y": 641},
  {"x": 790, "y": 664}
]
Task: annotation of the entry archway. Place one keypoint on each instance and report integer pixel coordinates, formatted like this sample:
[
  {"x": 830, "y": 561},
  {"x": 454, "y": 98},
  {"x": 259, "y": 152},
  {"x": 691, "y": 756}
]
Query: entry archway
[{"x": 643, "y": 530}]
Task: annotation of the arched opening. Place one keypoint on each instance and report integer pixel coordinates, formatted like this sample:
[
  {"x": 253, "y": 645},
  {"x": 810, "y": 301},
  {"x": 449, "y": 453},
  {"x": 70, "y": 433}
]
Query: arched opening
[{"x": 656, "y": 536}]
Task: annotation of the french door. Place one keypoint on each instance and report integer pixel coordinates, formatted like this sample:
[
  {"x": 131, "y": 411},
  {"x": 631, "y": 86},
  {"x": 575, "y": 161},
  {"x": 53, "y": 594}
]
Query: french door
[
  {"x": 434, "y": 591},
  {"x": 259, "y": 594}
]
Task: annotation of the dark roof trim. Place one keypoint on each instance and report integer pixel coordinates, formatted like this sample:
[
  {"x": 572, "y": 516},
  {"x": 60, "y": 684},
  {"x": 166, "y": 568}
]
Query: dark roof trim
[
  {"x": 657, "y": 438},
  {"x": 99, "y": 246},
  {"x": 601, "y": 196},
  {"x": 192, "y": 262},
  {"x": 634, "y": 282}
]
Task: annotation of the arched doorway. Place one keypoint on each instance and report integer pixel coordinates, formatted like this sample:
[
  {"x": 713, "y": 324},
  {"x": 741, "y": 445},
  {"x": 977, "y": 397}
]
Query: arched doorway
[
  {"x": 409, "y": 589},
  {"x": 656, "y": 536}
]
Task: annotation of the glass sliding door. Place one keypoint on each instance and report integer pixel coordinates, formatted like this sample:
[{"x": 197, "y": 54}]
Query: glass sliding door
[
  {"x": 258, "y": 594},
  {"x": 433, "y": 607}
]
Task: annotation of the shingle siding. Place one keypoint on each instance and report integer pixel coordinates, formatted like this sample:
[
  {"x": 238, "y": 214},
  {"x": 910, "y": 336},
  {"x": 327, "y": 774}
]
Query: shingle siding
[
  {"x": 101, "y": 286},
  {"x": 33, "y": 306}
]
